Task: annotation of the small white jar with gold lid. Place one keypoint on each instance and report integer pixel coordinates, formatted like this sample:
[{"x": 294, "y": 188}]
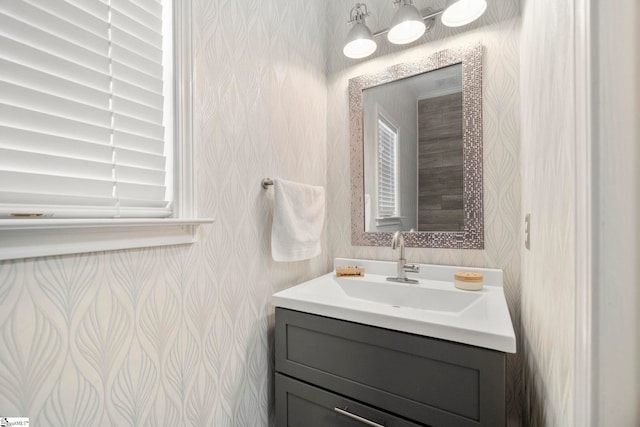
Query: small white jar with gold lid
[{"x": 468, "y": 280}]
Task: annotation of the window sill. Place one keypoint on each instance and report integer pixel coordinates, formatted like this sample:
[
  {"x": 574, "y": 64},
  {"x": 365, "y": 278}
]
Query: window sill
[
  {"x": 389, "y": 220},
  {"x": 27, "y": 238}
]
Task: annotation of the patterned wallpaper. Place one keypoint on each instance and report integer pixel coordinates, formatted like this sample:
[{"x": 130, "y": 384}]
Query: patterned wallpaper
[
  {"x": 181, "y": 336},
  {"x": 548, "y": 193},
  {"x": 498, "y": 30}
]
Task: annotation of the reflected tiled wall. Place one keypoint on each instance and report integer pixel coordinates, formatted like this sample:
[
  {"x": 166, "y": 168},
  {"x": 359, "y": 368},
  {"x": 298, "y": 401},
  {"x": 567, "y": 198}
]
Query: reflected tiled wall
[
  {"x": 440, "y": 161},
  {"x": 498, "y": 30},
  {"x": 180, "y": 336}
]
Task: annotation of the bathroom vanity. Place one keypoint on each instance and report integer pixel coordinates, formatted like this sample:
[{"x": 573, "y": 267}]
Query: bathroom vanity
[{"x": 363, "y": 351}]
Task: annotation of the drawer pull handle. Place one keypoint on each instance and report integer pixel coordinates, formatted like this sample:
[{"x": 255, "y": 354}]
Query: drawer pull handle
[{"x": 356, "y": 417}]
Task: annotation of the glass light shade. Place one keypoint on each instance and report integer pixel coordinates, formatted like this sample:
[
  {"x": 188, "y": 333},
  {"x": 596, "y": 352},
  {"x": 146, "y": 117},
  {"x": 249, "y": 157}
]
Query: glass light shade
[
  {"x": 407, "y": 25},
  {"x": 360, "y": 43},
  {"x": 463, "y": 12}
]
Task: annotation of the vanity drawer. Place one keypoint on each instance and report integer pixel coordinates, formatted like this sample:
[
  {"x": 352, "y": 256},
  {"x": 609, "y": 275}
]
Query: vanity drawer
[
  {"x": 302, "y": 405},
  {"x": 430, "y": 381}
]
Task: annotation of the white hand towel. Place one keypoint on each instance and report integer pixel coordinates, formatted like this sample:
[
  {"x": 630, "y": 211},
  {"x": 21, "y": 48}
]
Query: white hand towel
[{"x": 298, "y": 218}]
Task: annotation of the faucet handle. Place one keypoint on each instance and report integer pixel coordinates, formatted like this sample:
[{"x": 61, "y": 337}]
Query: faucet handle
[{"x": 412, "y": 268}]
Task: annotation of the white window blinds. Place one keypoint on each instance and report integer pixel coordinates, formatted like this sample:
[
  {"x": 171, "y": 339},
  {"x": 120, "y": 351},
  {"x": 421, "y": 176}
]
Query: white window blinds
[
  {"x": 81, "y": 109},
  {"x": 387, "y": 160}
]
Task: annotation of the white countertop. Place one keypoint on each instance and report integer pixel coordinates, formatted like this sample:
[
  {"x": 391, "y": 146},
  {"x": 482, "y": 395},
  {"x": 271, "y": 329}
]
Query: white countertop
[{"x": 433, "y": 307}]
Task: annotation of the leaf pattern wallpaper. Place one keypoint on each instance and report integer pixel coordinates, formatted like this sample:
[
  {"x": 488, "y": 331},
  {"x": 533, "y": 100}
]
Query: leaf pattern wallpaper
[
  {"x": 549, "y": 194},
  {"x": 182, "y": 336}
]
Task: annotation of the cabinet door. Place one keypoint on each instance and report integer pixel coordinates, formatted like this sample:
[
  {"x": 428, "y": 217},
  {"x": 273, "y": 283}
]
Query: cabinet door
[
  {"x": 301, "y": 405},
  {"x": 430, "y": 381}
]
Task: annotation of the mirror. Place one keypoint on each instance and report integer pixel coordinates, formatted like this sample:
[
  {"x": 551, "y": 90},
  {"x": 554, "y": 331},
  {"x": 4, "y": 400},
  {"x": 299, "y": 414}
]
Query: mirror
[
  {"x": 413, "y": 153},
  {"x": 416, "y": 152}
]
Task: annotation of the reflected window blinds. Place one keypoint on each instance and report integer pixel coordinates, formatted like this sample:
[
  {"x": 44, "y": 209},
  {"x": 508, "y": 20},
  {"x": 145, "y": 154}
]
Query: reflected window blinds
[
  {"x": 81, "y": 109},
  {"x": 387, "y": 160}
]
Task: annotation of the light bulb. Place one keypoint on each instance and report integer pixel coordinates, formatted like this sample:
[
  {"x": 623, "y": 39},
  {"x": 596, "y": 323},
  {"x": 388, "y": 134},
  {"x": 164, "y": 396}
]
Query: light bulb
[
  {"x": 463, "y": 12},
  {"x": 360, "y": 43},
  {"x": 407, "y": 25}
]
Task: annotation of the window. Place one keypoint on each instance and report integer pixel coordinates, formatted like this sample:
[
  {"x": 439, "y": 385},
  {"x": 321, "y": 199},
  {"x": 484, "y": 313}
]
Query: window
[
  {"x": 387, "y": 173},
  {"x": 87, "y": 126}
]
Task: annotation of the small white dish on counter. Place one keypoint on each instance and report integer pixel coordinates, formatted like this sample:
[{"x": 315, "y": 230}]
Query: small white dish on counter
[{"x": 433, "y": 307}]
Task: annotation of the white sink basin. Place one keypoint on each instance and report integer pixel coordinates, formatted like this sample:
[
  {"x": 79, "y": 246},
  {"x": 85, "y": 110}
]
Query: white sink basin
[
  {"x": 401, "y": 295},
  {"x": 433, "y": 307}
]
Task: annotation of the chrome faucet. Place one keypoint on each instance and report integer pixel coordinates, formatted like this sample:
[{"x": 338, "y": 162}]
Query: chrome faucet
[{"x": 403, "y": 267}]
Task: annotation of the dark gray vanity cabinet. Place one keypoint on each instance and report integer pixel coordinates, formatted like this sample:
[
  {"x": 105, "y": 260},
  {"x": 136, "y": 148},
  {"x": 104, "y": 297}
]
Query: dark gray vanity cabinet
[{"x": 332, "y": 372}]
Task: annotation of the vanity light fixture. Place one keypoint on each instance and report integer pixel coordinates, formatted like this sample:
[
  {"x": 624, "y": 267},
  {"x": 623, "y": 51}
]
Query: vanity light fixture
[
  {"x": 408, "y": 24},
  {"x": 360, "y": 43},
  {"x": 463, "y": 12}
]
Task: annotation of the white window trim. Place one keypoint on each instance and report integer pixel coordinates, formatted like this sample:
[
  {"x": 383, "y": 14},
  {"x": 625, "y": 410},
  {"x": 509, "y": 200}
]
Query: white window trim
[
  {"x": 394, "y": 219},
  {"x": 26, "y": 238}
]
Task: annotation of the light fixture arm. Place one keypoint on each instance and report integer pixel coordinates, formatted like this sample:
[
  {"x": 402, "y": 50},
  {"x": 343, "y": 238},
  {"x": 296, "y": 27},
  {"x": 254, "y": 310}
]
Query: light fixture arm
[{"x": 429, "y": 15}]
